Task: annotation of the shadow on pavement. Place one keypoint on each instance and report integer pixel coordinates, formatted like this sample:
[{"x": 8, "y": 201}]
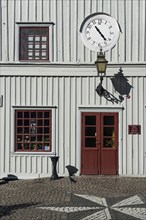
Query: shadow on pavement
[{"x": 7, "y": 210}]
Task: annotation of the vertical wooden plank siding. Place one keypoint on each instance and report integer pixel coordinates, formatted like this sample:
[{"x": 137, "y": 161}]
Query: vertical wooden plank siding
[
  {"x": 67, "y": 93},
  {"x": 68, "y": 16}
]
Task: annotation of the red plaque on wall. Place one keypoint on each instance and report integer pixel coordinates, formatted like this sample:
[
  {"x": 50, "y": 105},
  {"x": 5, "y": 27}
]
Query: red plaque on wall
[{"x": 134, "y": 129}]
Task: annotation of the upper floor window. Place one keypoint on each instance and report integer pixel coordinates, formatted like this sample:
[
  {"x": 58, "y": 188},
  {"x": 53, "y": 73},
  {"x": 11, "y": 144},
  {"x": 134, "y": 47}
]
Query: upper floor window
[{"x": 34, "y": 43}]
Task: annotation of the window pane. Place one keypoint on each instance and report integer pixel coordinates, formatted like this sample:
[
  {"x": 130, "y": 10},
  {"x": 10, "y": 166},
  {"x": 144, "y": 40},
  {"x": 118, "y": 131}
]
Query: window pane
[
  {"x": 46, "y": 122},
  {"x": 30, "y": 46},
  {"x": 39, "y": 130},
  {"x": 37, "y": 46},
  {"x": 33, "y": 114},
  {"x": 33, "y": 138},
  {"x": 26, "y": 130},
  {"x": 44, "y": 38},
  {"x": 43, "y": 53},
  {"x": 26, "y": 114},
  {"x": 19, "y": 114},
  {"x": 40, "y": 114},
  {"x": 90, "y": 131},
  {"x": 90, "y": 120},
  {"x": 19, "y": 130},
  {"x": 37, "y": 38},
  {"x": 108, "y": 131},
  {"x": 44, "y": 46},
  {"x": 19, "y": 146},
  {"x": 40, "y": 122},
  {"x": 19, "y": 123},
  {"x": 26, "y": 122},
  {"x": 108, "y": 120},
  {"x": 30, "y": 38},
  {"x": 109, "y": 142},
  {"x": 90, "y": 142},
  {"x": 46, "y": 130}
]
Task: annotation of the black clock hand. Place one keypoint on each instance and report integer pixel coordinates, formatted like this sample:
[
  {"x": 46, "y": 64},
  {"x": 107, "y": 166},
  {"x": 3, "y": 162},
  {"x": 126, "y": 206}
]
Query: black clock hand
[{"x": 100, "y": 33}]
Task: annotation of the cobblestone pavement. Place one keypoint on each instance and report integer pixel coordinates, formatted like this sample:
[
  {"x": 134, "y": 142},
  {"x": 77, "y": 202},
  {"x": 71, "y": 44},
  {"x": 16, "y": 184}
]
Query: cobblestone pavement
[{"x": 91, "y": 197}]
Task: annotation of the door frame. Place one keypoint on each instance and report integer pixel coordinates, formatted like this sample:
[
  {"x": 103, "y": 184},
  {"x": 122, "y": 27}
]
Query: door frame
[{"x": 102, "y": 109}]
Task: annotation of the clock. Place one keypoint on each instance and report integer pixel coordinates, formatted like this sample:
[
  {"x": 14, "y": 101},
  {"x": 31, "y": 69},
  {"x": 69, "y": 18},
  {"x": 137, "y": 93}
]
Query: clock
[{"x": 100, "y": 31}]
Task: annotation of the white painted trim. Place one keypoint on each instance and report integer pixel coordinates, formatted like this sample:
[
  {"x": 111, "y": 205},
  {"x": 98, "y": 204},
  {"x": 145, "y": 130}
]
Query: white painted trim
[
  {"x": 53, "y": 69},
  {"x": 53, "y": 152},
  {"x": 118, "y": 109},
  {"x": 145, "y": 132}
]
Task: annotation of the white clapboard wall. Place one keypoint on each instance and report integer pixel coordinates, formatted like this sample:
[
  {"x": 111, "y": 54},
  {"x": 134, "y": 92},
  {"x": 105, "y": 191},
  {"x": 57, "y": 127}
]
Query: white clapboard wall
[
  {"x": 68, "y": 16},
  {"x": 67, "y": 83},
  {"x": 68, "y": 90}
]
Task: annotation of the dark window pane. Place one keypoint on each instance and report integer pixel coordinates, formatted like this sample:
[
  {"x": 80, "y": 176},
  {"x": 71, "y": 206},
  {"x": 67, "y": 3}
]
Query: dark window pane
[
  {"x": 39, "y": 130},
  {"x": 26, "y": 114},
  {"x": 32, "y": 138},
  {"x": 19, "y": 130},
  {"x": 90, "y": 131},
  {"x": 40, "y": 114},
  {"x": 46, "y": 115},
  {"x": 33, "y": 114},
  {"x": 108, "y": 120},
  {"x": 26, "y": 146},
  {"x": 108, "y": 131},
  {"x": 39, "y": 146},
  {"x": 19, "y": 123},
  {"x": 90, "y": 120},
  {"x": 33, "y": 147},
  {"x": 109, "y": 142},
  {"x": 19, "y": 114},
  {"x": 26, "y": 130},
  {"x": 46, "y": 130},
  {"x": 46, "y": 138},
  {"x": 90, "y": 142},
  {"x": 40, "y": 122},
  {"x": 26, "y": 122},
  {"x": 19, "y": 146},
  {"x": 46, "y": 122},
  {"x": 39, "y": 138}
]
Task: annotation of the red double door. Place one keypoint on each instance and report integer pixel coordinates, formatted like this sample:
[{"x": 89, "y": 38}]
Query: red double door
[{"x": 100, "y": 143}]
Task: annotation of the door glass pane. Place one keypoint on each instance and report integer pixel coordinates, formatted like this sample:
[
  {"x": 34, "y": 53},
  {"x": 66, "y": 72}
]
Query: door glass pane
[
  {"x": 90, "y": 120},
  {"x": 90, "y": 142},
  {"x": 109, "y": 142},
  {"x": 90, "y": 131},
  {"x": 108, "y": 120},
  {"x": 108, "y": 131}
]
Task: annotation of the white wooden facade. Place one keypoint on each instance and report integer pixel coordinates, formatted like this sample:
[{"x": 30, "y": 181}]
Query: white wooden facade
[{"x": 67, "y": 83}]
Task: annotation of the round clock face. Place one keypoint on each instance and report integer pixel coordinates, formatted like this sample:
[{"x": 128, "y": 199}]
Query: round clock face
[{"x": 99, "y": 31}]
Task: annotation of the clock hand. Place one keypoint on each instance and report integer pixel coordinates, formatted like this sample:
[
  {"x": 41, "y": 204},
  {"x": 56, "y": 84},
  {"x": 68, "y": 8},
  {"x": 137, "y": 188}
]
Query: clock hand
[{"x": 100, "y": 33}]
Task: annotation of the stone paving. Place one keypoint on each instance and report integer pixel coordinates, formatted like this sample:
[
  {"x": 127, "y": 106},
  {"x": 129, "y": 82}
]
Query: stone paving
[{"x": 90, "y": 198}]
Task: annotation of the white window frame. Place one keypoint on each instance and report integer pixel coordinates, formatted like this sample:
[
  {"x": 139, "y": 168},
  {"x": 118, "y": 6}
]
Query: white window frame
[
  {"x": 50, "y": 26},
  {"x": 53, "y": 150}
]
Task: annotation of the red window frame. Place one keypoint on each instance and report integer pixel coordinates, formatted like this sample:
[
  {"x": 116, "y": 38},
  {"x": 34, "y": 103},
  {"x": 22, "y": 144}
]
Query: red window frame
[
  {"x": 33, "y": 130},
  {"x": 34, "y": 49}
]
